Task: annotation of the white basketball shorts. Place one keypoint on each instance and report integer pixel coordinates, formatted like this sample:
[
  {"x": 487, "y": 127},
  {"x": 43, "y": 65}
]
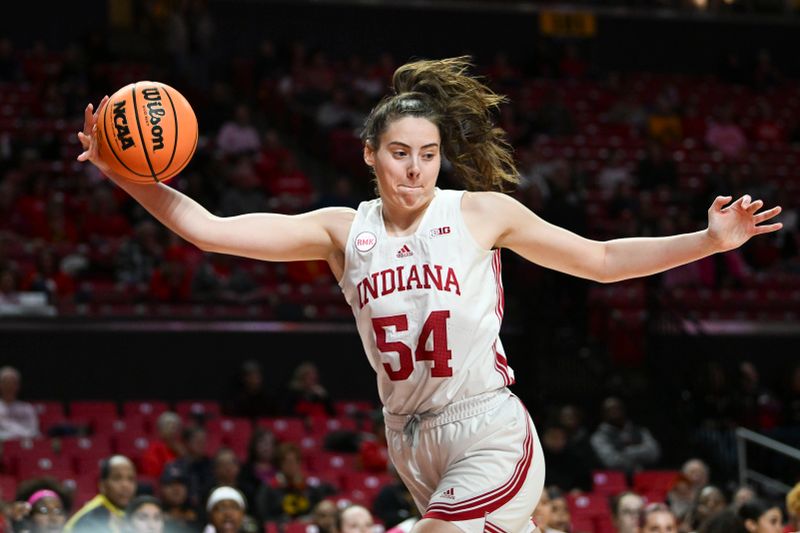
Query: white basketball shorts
[{"x": 477, "y": 464}]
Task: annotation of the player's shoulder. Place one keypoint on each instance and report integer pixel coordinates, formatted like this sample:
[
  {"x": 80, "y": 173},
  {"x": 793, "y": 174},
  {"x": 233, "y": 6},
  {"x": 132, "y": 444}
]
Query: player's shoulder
[{"x": 484, "y": 202}]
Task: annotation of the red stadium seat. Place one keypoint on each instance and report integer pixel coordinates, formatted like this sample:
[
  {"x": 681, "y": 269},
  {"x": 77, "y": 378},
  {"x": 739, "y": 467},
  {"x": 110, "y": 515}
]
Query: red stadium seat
[
  {"x": 188, "y": 409},
  {"x": 327, "y": 461},
  {"x": 93, "y": 409},
  {"x": 8, "y": 487},
  {"x": 654, "y": 481},
  {"x": 285, "y": 429},
  {"x": 609, "y": 482}
]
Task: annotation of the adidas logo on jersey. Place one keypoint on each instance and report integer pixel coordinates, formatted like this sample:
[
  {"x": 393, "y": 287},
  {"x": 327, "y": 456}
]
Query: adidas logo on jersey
[
  {"x": 405, "y": 251},
  {"x": 450, "y": 494}
]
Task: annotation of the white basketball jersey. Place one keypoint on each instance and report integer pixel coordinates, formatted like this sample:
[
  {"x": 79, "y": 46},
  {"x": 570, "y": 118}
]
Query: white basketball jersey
[{"x": 428, "y": 307}]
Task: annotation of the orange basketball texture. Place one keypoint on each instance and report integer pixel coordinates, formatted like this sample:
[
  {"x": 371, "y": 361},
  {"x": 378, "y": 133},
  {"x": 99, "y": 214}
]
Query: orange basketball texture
[{"x": 147, "y": 132}]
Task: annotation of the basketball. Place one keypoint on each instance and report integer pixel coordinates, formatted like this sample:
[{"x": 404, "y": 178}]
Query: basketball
[{"x": 147, "y": 132}]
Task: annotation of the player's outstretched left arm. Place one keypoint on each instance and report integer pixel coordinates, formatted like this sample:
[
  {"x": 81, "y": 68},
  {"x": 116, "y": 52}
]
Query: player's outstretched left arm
[{"x": 512, "y": 225}]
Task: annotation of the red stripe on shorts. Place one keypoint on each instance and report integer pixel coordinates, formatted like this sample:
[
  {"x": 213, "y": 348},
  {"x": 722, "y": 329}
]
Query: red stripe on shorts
[
  {"x": 483, "y": 504},
  {"x": 491, "y": 528}
]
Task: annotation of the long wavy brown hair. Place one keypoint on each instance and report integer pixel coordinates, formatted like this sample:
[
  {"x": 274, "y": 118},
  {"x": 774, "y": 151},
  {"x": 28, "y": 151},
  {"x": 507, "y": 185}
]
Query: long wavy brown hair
[{"x": 462, "y": 106}]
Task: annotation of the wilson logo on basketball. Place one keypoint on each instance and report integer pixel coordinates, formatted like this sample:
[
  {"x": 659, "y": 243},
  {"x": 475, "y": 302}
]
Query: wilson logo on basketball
[
  {"x": 155, "y": 111},
  {"x": 405, "y": 251},
  {"x": 121, "y": 125},
  {"x": 444, "y": 230}
]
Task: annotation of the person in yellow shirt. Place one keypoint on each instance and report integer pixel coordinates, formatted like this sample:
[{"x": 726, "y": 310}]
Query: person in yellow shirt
[{"x": 106, "y": 511}]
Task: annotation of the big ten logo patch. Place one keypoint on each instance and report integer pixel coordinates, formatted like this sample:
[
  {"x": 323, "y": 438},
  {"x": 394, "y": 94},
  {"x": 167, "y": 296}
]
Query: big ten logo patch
[{"x": 438, "y": 232}]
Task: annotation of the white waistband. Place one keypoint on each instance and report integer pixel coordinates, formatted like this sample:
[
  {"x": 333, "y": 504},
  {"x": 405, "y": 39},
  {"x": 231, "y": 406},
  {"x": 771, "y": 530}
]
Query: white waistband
[{"x": 474, "y": 405}]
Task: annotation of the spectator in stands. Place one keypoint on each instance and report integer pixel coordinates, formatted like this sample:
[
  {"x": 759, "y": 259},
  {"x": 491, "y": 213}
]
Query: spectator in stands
[
  {"x": 393, "y": 504},
  {"x": 171, "y": 280},
  {"x": 244, "y": 191},
  {"x": 179, "y": 515},
  {"x": 627, "y": 109},
  {"x": 726, "y": 521},
  {"x": 657, "y": 518},
  {"x": 196, "y": 464},
  {"x": 571, "y": 418},
  {"x": 693, "y": 477},
  {"x": 724, "y": 135},
  {"x": 18, "y": 419},
  {"x": 757, "y": 405},
  {"x": 166, "y": 447},
  {"x": 697, "y": 472},
  {"x": 336, "y": 112},
  {"x": 259, "y": 468},
  {"x": 289, "y": 495},
  {"x": 622, "y": 444},
  {"x": 139, "y": 255},
  {"x": 106, "y": 511},
  {"x": 250, "y": 398},
  {"x": 238, "y": 135},
  {"x": 767, "y": 128},
  {"x": 566, "y": 469},
  {"x": 710, "y": 501},
  {"x": 226, "y": 510},
  {"x": 626, "y": 508},
  {"x": 104, "y": 219},
  {"x": 680, "y": 498},
  {"x": 553, "y": 116},
  {"x": 742, "y": 495},
  {"x": 339, "y": 193},
  {"x": 761, "y": 516},
  {"x": 222, "y": 278},
  {"x": 560, "y": 519},
  {"x": 40, "y": 507},
  {"x": 543, "y": 514},
  {"x": 373, "y": 453},
  {"x": 325, "y": 516},
  {"x": 355, "y": 518},
  {"x": 615, "y": 171},
  {"x": 144, "y": 515},
  {"x": 305, "y": 395},
  {"x": 226, "y": 469},
  {"x": 664, "y": 124},
  {"x": 655, "y": 170}
]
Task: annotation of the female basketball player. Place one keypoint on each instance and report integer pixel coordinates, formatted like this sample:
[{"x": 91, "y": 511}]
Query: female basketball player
[{"x": 421, "y": 268}]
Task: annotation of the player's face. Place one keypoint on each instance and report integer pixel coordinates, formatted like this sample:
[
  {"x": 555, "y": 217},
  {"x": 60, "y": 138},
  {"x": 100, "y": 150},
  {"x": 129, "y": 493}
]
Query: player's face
[{"x": 407, "y": 162}]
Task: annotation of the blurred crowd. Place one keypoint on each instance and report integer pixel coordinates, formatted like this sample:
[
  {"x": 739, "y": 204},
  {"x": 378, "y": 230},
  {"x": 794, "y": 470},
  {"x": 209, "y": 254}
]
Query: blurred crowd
[
  {"x": 254, "y": 462},
  {"x": 605, "y": 154}
]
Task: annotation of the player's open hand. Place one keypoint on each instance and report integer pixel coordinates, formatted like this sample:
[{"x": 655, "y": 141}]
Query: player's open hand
[
  {"x": 87, "y": 137},
  {"x": 732, "y": 226}
]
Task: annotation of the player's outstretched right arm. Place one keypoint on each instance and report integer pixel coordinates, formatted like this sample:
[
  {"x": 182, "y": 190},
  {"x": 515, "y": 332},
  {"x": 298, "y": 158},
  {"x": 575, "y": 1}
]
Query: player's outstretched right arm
[{"x": 319, "y": 234}]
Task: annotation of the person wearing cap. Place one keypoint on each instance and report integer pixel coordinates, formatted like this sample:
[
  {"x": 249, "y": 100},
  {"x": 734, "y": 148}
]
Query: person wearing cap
[
  {"x": 225, "y": 508},
  {"x": 179, "y": 515},
  {"x": 106, "y": 511}
]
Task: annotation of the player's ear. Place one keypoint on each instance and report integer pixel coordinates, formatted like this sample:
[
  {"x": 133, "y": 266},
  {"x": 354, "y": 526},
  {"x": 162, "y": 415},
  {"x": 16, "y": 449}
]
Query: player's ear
[{"x": 369, "y": 154}]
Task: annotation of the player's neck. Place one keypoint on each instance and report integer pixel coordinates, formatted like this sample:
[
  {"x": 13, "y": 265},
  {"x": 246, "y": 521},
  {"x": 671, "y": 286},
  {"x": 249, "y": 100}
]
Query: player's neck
[{"x": 400, "y": 221}]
